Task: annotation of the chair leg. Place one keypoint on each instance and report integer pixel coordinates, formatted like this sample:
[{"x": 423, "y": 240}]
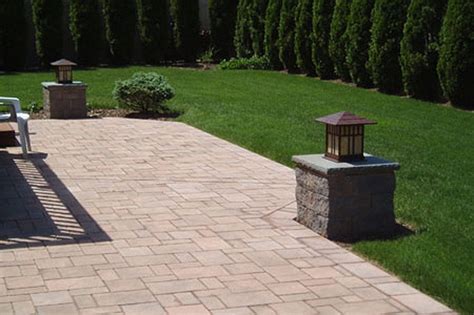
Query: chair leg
[
  {"x": 21, "y": 129},
  {"x": 28, "y": 139}
]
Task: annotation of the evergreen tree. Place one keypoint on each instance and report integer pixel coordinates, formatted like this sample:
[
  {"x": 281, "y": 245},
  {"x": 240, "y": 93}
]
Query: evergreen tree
[
  {"x": 358, "y": 40},
  {"x": 84, "y": 24},
  {"x": 286, "y": 35},
  {"x": 388, "y": 18},
  {"x": 153, "y": 25},
  {"x": 272, "y": 21},
  {"x": 47, "y": 19},
  {"x": 304, "y": 28},
  {"x": 420, "y": 48},
  {"x": 222, "y": 14},
  {"x": 322, "y": 16},
  {"x": 257, "y": 11},
  {"x": 242, "y": 38},
  {"x": 185, "y": 15},
  {"x": 338, "y": 39},
  {"x": 456, "y": 63},
  {"x": 12, "y": 34},
  {"x": 119, "y": 18}
]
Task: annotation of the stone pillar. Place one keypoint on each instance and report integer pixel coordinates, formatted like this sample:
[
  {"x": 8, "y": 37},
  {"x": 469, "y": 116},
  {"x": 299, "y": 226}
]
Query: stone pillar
[
  {"x": 346, "y": 201},
  {"x": 65, "y": 101}
]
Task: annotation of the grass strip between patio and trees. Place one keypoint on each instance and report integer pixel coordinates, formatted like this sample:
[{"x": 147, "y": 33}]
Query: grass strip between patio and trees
[{"x": 273, "y": 114}]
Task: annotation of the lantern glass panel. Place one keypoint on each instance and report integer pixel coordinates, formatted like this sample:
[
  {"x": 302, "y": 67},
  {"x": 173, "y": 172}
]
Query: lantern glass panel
[
  {"x": 358, "y": 145},
  {"x": 330, "y": 143},
  {"x": 344, "y": 145}
]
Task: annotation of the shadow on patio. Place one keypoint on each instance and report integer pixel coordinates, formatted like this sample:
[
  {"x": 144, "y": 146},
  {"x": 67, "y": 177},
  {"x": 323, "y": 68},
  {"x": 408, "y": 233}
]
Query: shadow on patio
[{"x": 37, "y": 209}]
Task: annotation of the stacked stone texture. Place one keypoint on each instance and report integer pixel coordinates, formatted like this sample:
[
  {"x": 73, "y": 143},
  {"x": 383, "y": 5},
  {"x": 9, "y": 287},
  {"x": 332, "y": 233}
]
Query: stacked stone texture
[{"x": 65, "y": 101}]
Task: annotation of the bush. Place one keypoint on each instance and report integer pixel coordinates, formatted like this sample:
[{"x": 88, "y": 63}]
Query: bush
[
  {"x": 388, "y": 18},
  {"x": 144, "y": 92},
  {"x": 84, "y": 24},
  {"x": 286, "y": 35},
  {"x": 12, "y": 34},
  {"x": 242, "y": 37},
  {"x": 258, "y": 10},
  {"x": 358, "y": 40},
  {"x": 222, "y": 15},
  {"x": 186, "y": 29},
  {"x": 456, "y": 63},
  {"x": 252, "y": 63},
  {"x": 153, "y": 26},
  {"x": 272, "y": 21},
  {"x": 119, "y": 18},
  {"x": 47, "y": 17},
  {"x": 304, "y": 28},
  {"x": 322, "y": 16},
  {"x": 338, "y": 40}
]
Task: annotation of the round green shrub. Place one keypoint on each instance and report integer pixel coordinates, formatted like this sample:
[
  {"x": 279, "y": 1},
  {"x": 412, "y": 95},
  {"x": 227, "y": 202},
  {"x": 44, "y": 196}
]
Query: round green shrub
[
  {"x": 12, "y": 34},
  {"x": 119, "y": 18},
  {"x": 304, "y": 28},
  {"x": 338, "y": 39},
  {"x": 419, "y": 52},
  {"x": 286, "y": 35},
  {"x": 144, "y": 92},
  {"x": 222, "y": 15},
  {"x": 388, "y": 18},
  {"x": 47, "y": 20},
  {"x": 272, "y": 21},
  {"x": 358, "y": 40},
  {"x": 186, "y": 29},
  {"x": 456, "y": 63},
  {"x": 84, "y": 23},
  {"x": 242, "y": 37},
  {"x": 153, "y": 27},
  {"x": 322, "y": 16},
  {"x": 252, "y": 63}
]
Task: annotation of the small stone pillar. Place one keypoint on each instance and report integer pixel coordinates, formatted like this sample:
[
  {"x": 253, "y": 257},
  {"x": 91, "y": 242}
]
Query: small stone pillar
[
  {"x": 346, "y": 201},
  {"x": 65, "y": 101}
]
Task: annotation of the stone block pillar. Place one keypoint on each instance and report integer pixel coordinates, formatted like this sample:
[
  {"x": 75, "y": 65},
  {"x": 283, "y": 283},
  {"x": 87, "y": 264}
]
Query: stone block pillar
[
  {"x": 346, "y": 201},
  {"x": 65, "y": 101}
]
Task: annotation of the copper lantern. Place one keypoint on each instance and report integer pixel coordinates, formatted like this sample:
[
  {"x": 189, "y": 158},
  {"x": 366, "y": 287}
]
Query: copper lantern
[
  {"x": 345, "y": 136},
  {"x": 63, "y": 71}
]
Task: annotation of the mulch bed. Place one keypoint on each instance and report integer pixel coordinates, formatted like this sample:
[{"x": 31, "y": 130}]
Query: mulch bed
[{"x": 124, "y": 113}]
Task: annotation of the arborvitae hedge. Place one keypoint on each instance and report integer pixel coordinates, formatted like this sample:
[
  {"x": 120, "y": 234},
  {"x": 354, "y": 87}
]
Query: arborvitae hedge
[
  {"x": 153, "y": 27},
  {"x": 358, "y": 39},
  {"x": 304, "y": 28},
  {"x": 272, "y": 21},
  {"x": 388, "y": 18},
  {"x": 119, "y": 18},
  {"x": 338, "y": 40},
  {"x": 286, "y": 35},
  {"x": 322, "y": 16},
  {"x": 258, "y": 10},
  {"x": 420, "y": 48},
  {"x": 222, "y": 15},
  {"x": 12, "y": 34},
  {"x": 47, "y": 19},
  {"x": 456, "y": 63},
  {"x": 84, "y": 24},
  {"x": 186, "y": 30},
  {"x": 242, "y": 38}
]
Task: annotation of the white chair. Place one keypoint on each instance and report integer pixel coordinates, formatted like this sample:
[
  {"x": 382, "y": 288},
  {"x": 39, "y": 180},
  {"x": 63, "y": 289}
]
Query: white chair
[{"x": 21, "y": 119}]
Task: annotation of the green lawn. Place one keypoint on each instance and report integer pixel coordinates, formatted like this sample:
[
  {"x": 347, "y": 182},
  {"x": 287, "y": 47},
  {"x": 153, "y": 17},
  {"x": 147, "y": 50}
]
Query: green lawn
[{"x": 273, "y": 114}]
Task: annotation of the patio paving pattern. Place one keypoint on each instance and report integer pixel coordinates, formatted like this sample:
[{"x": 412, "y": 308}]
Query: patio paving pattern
[{"x": 116, "y": 216}]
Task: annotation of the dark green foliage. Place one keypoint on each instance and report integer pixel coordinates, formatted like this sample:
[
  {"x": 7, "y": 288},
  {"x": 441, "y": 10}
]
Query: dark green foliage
[
  {"x": 304, "y": 27},
  {"x": 252, "y": 63},
  {"x": 242, "y": 38},
  {"x": 322, "y": 16},
  {"x": 186, "y": 29},
  {"x": 257, "y": 11},
  {"x": 272, "y": 21},
  {"x": 456, "y": 63},
  {"x": 222, "y": 14},
  {"x": 47, "y": 18},
  {"x": 419, "y": 50},
  {"x": 84, "y": 24},
  {"x": 119, "y": 17},
  {"x": 153, "y": 26},
  {"x": 358, "y": 40},
  {"x": 12, "y": 34},
  {"x": 388, "y": 19},
  {"x": 286, "y": 35},
  {"x": 338, "y": 39}
]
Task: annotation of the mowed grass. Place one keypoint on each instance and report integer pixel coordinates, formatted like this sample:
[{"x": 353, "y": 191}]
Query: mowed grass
[{"x": 273, "y": 114}]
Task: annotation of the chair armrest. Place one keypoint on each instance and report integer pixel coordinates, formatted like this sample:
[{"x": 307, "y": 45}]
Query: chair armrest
[{"x": 12, "y": 100}]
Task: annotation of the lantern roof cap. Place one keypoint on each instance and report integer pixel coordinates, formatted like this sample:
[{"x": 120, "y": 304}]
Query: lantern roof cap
[
  {"x": 345, "y": 119},
  {"x": 63, "y": 62}
]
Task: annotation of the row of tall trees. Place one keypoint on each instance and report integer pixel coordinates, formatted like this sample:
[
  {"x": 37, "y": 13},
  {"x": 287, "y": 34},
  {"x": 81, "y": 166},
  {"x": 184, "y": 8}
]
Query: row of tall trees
[{"x": 423, "y": 48}]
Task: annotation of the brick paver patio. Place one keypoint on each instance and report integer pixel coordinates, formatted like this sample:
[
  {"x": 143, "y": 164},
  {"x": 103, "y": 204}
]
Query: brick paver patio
[{"x": 146, "y": 217}]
